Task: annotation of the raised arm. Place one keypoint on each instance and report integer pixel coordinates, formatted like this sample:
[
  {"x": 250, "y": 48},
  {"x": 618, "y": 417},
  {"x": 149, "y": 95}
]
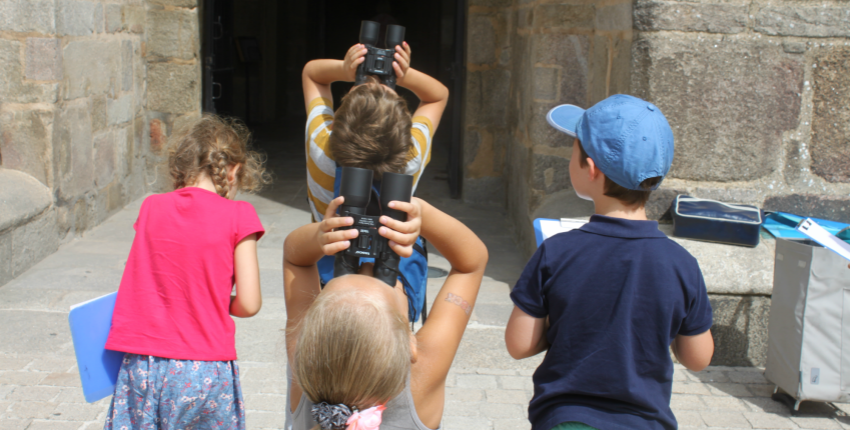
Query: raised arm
[
  {"x": 318, "y": 75},
  {"x": 302, "y": 249},
  {"x": 440, "y": 336},
  {"x": 432, "y": 94}
]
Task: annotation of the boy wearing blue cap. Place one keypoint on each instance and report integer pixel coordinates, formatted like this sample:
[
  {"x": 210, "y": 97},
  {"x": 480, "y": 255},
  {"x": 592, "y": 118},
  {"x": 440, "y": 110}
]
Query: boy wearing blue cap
[{"x": 608, "y": 300}]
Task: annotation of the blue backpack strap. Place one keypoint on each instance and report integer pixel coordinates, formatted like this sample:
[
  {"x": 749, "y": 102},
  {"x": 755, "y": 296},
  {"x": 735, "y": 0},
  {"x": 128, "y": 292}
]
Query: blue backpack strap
[{"x": 414, "y": 277}]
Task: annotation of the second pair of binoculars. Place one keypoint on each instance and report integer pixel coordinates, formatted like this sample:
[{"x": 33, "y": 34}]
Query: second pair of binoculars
[{"x": 356, "y": 187}]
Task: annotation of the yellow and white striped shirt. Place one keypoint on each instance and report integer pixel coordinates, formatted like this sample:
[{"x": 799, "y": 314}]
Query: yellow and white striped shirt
[{"x": 321, "y": 167}]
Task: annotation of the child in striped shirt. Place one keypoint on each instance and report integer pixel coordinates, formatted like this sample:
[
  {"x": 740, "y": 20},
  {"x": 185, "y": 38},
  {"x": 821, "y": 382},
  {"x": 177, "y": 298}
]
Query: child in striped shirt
[{"x": 372, "y": 128}]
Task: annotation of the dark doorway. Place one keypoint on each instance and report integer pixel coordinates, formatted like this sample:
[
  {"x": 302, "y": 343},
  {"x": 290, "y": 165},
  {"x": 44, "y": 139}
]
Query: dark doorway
[{"x": 254, "y": 51}]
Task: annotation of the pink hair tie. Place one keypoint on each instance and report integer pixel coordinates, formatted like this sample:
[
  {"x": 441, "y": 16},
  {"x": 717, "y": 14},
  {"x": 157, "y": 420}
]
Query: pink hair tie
[{"x": 370, "y": 419}]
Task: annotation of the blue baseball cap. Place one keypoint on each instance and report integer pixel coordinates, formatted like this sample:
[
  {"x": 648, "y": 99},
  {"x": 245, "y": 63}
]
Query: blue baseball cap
[{"x": 629, "y": 139}]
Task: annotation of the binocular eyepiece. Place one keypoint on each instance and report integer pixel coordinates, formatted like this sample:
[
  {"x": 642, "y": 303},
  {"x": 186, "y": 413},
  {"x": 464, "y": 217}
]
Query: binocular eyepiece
[
  {"x": 356, "y": 187},
  {"x": 379, "y": 61}
]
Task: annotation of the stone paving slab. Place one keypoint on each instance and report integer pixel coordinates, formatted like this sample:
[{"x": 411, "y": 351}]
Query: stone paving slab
[
  {"x": 486, "y": 389},
  {"x": 38, "y": 394}
]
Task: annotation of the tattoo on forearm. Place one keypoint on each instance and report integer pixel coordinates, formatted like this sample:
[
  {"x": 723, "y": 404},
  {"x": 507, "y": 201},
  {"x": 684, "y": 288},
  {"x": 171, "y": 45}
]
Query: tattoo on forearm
[{"x": 458, "y": 300}]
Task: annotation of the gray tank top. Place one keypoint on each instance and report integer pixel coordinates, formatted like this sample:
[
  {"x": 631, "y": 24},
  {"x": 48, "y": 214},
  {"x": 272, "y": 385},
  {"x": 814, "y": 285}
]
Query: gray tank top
[{"x": 400, "y": 414}]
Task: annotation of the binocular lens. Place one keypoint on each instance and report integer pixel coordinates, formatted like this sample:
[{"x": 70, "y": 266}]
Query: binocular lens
[
  {"x": 370, "y": 32},
  {"x": 396, "y": 187},
  {"x": 395, "y": 35},
  {"x": 356, "y": 187}
]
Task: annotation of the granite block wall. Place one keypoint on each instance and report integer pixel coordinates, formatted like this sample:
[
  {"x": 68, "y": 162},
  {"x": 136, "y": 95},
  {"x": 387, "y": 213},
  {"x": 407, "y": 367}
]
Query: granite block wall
[
  {"x": 523, "y": 58},
  {"x": 757, "y": 94},
  {"x": 87, "y": 87}
]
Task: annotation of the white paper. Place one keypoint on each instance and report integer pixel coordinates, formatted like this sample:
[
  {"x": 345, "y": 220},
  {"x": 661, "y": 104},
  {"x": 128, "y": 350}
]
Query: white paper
[
  {"x": 552, "y": 227},
  {"x": 823, "y": 237},
  {"x": 89, "y": 301}
]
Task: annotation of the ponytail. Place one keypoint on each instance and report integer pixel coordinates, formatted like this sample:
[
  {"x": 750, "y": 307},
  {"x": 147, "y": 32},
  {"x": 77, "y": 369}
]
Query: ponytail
[{"x": 353, "y": 353}]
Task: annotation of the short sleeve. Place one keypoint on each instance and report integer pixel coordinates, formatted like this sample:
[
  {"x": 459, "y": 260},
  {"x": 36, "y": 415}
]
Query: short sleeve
[
  {"x": 528, "y": 292},
  {"x": 420, "y": 150},
  {"x": 699, "y": 318},
  {"x": 142, "y": 212},
  {"x": 248, "y": 223},
  {"x": 321, "y": 166}
]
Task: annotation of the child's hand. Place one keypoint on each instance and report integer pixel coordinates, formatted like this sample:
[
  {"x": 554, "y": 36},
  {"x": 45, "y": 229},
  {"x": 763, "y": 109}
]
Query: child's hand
[
  {"x": 402, "y": 61},
  {"x": 335, "y": 241},
  {"x": 402, "y": 235},
  {"x": 355, "y": 55}
]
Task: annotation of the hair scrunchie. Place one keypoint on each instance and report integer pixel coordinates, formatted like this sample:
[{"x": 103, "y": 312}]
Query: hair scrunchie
[
  {"x": 370, "y": 419},
  {"x": 331, "y": 417}
]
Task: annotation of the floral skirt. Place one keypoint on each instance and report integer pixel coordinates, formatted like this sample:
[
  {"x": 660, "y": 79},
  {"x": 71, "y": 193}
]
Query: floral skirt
[{"x": 161, "y": 393}]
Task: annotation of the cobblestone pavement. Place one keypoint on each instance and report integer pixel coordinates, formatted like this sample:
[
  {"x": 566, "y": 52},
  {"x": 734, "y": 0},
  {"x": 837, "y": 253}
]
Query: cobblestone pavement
[{"x": 40, "y": 385}]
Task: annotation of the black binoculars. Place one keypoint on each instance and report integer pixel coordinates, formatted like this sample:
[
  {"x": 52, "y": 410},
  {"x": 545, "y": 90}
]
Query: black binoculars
[
  {"x": 379, "y": 62},
  {"x": 356, "y": 187}
]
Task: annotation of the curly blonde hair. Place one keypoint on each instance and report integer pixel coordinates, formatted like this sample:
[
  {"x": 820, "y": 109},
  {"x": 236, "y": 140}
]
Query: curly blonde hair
[{"x": 208, "y": 146}]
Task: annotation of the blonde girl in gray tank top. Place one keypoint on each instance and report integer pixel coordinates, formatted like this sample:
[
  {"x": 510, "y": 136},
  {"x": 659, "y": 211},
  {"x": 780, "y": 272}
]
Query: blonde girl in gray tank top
[{"x": 355, "y": 362}]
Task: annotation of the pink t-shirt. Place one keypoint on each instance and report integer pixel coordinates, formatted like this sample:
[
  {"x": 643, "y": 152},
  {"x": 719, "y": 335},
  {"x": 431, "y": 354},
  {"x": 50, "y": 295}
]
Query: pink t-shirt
[{"x": 174, "y": 298}]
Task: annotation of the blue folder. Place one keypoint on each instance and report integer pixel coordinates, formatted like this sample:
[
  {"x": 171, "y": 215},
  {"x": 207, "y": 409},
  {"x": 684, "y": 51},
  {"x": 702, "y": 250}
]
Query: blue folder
[
  {"x": 546, "y": 227},
  {"x": 90, "y": 323}
]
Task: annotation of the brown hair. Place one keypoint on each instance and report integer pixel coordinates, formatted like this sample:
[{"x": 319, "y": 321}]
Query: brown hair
[
  {"x": 626, "y": 196},
  {"x": 208, "y": 146},
  {"x": 353, "y": 349},
  {"x": 371, "y": 129}
]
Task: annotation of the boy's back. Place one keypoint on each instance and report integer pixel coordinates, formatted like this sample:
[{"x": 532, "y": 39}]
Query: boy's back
[
  {"x": 617, "y": 292},
  {"x": 609, "y": 300}
]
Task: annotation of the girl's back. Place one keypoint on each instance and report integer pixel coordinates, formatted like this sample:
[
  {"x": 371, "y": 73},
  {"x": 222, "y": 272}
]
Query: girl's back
[
  {"x": 172, "y": 314},
  {"x": 174, "y": 297}
]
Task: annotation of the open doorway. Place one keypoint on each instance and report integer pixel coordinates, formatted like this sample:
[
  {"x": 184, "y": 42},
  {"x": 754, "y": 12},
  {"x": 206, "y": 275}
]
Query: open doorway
[{"x": 254, "y": 51}]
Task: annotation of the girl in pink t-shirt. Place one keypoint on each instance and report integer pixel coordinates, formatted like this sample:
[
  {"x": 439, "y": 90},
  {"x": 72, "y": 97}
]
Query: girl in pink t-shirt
[{"x": 172, "y": 316}]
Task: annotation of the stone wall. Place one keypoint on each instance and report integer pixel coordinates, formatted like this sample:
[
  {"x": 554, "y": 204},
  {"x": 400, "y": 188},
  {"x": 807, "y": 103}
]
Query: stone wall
[
  {"x": 523, "y": 58},
  {"x": 86, "y": 85},
  {"x": 758, "y": 94}
]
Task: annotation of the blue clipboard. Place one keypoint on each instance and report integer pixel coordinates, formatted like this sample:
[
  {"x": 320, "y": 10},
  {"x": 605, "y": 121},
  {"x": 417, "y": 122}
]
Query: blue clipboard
[
  {"x": 547, "y": 227},
  {"x": 90, "y": 323}
]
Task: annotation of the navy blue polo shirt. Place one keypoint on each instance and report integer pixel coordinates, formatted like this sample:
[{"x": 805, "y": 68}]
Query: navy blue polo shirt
[{"x": 617, "y": 292}]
